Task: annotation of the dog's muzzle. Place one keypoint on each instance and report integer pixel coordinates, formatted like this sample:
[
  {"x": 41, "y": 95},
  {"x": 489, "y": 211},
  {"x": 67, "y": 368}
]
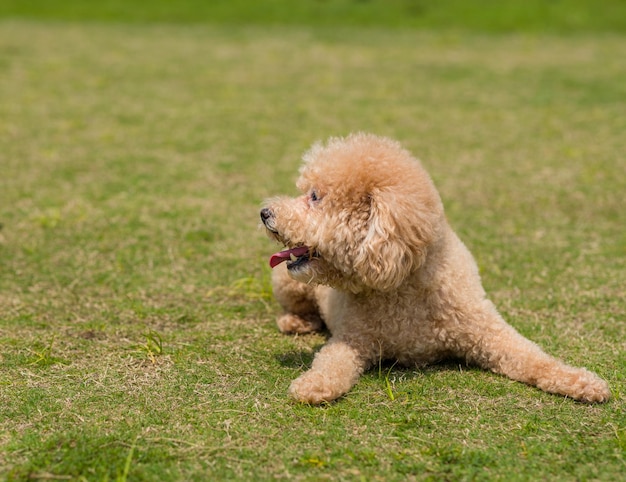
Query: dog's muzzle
[
  {"x": 296, "y": 256},
  {"x": 267, "y": 218}
]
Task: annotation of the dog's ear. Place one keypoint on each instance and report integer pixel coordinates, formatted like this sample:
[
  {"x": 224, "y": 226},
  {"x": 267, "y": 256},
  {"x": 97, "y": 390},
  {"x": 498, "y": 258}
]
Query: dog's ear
[{"x": 395, "y": 242}]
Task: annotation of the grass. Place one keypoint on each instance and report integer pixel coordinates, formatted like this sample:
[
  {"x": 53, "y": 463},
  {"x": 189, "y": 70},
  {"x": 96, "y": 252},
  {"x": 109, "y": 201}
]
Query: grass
[
  {"x": 136, "y": 318},
  {"x": 564, "y": 16}
]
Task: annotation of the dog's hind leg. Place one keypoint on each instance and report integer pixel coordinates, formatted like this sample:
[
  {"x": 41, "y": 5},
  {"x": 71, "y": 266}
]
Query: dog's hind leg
[
  {"x": 497, "y": 346},
  {"x": 298, "y": 300}
]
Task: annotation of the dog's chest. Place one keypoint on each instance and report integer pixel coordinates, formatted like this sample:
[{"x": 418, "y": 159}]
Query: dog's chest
[{"x": 401, "y": 328}]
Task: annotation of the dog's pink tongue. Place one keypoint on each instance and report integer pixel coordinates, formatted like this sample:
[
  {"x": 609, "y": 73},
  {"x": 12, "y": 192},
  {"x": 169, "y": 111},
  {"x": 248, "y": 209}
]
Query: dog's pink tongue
[{"x": 278, "y": 258}]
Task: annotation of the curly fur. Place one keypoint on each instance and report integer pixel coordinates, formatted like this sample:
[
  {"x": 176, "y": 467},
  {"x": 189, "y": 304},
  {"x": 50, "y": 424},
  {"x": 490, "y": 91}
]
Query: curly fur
[{"x": 389, "y": 277}]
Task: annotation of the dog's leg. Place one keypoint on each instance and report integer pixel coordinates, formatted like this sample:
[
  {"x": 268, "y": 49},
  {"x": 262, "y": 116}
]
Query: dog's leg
[
  {"x": 298, "y": 300},
  {"x": 336, "y": 368},
  {"x": 499, "y": 347}
]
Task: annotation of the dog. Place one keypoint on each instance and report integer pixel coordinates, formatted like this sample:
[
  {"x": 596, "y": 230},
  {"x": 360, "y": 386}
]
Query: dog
[{"x": 370, "y": 256}]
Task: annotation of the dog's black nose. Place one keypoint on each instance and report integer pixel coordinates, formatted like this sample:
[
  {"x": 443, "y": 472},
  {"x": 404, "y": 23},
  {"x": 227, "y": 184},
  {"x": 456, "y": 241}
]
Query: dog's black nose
[{"x": 265, "y": 214}]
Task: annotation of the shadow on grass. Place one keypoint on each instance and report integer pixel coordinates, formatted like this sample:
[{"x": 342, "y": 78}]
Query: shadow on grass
[
  {"x": 297, "y": 358},
  {"x": 302, "y": 359}
]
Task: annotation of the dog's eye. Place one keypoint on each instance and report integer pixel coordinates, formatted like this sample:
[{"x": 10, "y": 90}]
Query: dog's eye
[{"x": 314, "y": 197}]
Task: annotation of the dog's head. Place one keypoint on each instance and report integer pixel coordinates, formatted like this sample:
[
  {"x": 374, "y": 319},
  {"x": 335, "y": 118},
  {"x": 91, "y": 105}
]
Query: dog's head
[{"x": 366, "y": 217}]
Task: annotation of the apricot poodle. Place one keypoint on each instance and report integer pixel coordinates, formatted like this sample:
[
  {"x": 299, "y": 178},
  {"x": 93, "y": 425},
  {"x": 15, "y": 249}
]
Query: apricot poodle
[{"x": 372, "y": 257}]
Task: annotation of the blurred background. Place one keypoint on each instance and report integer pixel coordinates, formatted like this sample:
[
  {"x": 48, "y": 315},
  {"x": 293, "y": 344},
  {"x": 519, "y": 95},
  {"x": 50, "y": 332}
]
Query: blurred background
[{"x": 483, "y": 15}]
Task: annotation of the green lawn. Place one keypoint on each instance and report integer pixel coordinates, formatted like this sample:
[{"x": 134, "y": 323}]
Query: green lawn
[
  {"x": 565, "y": 16},
  {"x": 136, "y": 317}
]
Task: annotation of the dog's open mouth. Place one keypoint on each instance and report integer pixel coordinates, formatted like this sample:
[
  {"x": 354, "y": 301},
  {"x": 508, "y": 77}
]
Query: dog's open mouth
[{"x": 294, "y": 257}]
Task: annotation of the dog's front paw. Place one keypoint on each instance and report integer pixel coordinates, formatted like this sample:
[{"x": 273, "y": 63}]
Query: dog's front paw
[
  {"x": 314, "y": 388},
  {"x": 290, "y": 323}
]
